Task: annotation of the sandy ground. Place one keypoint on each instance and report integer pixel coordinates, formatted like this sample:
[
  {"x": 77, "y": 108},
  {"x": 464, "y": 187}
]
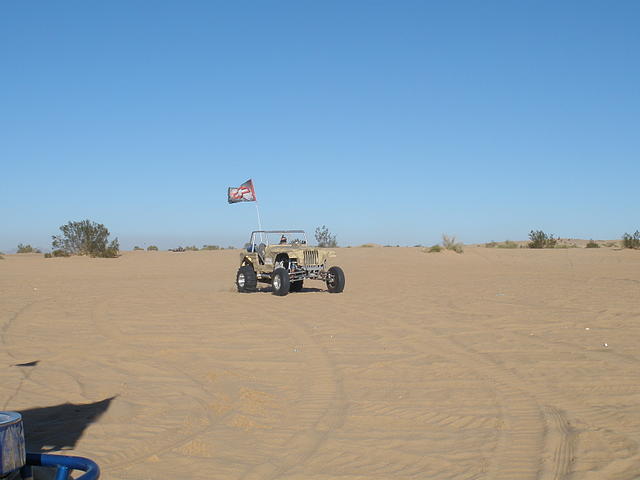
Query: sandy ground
[{"x": 496, "y": 364}]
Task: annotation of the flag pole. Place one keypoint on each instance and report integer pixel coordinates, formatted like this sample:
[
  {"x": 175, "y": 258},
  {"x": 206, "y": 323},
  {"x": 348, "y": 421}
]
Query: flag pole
[
  {"x": 257, "y": 209},
  {"x": 259, "y": 221}
]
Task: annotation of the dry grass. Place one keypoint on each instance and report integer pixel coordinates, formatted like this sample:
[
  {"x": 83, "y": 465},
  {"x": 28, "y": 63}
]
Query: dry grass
[{"x": 449, "y": 242}]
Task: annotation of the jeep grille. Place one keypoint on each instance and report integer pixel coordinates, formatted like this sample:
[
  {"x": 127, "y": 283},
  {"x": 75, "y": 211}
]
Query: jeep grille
[{"x": 311, "y": 257}]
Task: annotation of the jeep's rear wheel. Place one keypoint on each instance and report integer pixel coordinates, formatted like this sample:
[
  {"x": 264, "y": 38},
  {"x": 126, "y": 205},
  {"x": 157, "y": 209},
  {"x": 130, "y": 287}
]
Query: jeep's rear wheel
[
  {"x": 296, "y": 286},
  {"x": 335, "y": 280},
  {"x": 246, "y": 279},
  {"x": 280, "y": 282}
]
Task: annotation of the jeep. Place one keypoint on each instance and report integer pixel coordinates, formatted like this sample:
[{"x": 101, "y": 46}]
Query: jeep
[{"x": 284, "y": 259}]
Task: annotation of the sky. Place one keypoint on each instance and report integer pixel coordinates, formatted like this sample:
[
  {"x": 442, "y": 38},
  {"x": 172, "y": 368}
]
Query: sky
[{"x": 390, "y": 122}]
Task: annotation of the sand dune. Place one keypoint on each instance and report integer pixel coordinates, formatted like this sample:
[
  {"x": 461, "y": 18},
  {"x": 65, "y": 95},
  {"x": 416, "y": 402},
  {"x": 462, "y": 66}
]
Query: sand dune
[{"x": 494, "y": 364}]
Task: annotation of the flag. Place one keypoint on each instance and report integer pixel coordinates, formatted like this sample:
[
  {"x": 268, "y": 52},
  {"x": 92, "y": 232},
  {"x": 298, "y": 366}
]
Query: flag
[{"x": 244, "y": 193}]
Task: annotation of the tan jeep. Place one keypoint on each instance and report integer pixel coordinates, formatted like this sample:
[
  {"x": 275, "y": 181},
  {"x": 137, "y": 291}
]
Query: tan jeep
[{"x": 284, "y": 259}]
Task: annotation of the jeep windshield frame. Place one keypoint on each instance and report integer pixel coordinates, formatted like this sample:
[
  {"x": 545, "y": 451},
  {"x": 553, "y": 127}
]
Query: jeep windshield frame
[{"x": 262, "y": 236}]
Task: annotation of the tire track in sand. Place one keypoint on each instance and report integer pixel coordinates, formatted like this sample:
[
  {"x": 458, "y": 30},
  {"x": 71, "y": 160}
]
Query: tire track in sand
[
  {"x": 26, "y": 373},
  {"x": 521, "y": 423},
  {"x": 521, "y": 435},
  {"x": 561, "y": 443},
  {"x": 561, "y": 435},
  {"x": 172, "y": 433},
  {"x": 324, "y": 402}
]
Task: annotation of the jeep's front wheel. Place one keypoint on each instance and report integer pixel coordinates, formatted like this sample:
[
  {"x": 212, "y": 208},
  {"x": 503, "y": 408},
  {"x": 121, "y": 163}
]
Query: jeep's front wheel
[
  {"x": 280, "y": 282},
  {"x": 335, "y": 280},
  {"x": 246, "y": 279}
]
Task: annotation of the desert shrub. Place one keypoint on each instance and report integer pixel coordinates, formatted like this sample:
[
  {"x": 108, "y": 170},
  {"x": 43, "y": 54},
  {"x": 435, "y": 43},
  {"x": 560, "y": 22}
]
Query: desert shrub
[
  {"x": 491, "y": 244},
  {"x": 112, "y": 251},
  {"x": 611, "y": 244},
  {"x": 435, "y": 249},
  {"x": 450, "y": 243},
  {"x": 152, "y": 248},
  {"x": 231, "y": 248},
  {"x": 367, "y": 245},
  {"x": 48, "y": 255},
  {"x": 177, "y": 249},
  {"x": 324, "y": 237},
  {"x": 60, "y": 253},
  {"x": 508, "y": 244},
  {"x": 631, "y": 241},
  {"x": 27, "y": 249},
  {"x": 592, "y": 244},
  {"x": 211, "y": 247},
  {"x": 191, "y": 248},
  {"x": 86, "y": 238},
  {"x": 137, "y": 248},
  {"x": 539, "y": 239}
]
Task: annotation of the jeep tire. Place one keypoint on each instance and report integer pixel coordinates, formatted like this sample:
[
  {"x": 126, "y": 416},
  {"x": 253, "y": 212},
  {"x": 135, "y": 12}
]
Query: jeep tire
[
  {"x": 280, "y": 282},
  {"x": 246, "y": 279},
  {"x": 335, "y": 280}
]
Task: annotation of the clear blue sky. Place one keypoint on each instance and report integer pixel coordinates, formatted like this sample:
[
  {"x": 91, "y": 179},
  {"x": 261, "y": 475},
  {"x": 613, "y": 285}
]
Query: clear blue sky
[{"x": 388, "y": 121}]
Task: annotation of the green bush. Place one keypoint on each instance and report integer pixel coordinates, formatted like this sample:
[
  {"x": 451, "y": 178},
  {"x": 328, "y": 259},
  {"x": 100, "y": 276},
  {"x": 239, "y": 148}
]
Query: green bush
[
  {"x": 191, "y": 248},
  {"x": 60, "y": 253},
  {"x": 491, "y": 244},
  {"x": 592, "y": 244},
  {"x": 211, "y": 247},
  {"x": 47, "y": 255},
  {"x": 151, "y": 248},
  {"x": 27, "y": 249},
  {"x": 435, "y": 249},
  {"x": 137, "y": 248},
  {"x": 86, "y": 238},
  {"x": 450, "y": 243},
  {"x": 631, "y": 241},
  {"x": 324, "y": 237},
  {"x": 539, "y": 239}
]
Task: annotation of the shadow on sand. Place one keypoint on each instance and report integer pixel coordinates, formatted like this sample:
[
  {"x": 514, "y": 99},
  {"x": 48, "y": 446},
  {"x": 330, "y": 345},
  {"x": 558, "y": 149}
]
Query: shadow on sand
[
  {"x": 304, "y": 290},
  {"x": 59, "y": 427},
  {"x": 27, "y": 364}
]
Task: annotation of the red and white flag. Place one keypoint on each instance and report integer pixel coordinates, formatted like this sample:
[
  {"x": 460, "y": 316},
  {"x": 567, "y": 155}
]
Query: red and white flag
[{"x": 244, "y": 193}]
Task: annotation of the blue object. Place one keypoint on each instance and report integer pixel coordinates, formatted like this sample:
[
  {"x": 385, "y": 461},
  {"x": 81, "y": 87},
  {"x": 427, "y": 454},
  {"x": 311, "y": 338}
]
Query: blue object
[
  {"x": 13, "y": 456},
  {"x": 64, "y": 465}
]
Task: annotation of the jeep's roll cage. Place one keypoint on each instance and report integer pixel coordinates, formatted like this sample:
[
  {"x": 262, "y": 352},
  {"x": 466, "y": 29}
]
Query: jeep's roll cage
[{"x": 253, "y": 244}]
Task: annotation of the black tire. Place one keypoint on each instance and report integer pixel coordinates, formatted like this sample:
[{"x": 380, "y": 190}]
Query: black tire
[
  {"x": 246, "y": 279},
  {"x": 296, "y": 286},
  {"x": 335, "y": 280},
  {"x": 280, "y": 282}
]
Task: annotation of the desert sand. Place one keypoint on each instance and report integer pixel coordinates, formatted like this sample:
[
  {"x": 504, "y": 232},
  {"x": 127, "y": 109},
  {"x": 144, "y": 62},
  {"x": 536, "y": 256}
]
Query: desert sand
[{"x": 493, "y": 364}]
